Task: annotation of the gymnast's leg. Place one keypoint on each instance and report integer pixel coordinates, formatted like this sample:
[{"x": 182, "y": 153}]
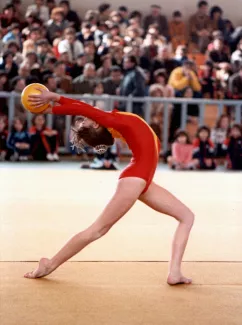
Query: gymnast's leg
[
  {"x": 162, "y": 201},
  {"x": 127, "y": 192}
]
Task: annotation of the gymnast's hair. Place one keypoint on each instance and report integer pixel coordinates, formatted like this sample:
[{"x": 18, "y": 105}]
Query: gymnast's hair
[{"x": 98, "y": 138}]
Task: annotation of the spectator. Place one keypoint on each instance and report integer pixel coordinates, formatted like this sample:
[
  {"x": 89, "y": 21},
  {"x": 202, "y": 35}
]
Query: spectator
[
  {"x": 86, "y": 33},
  {"x": 200, "y": 27},
  {"x": 181, "y": 55},
  {"x": 31, "y": 59},
  {"x": 7, "y": 17},
  {"x": 51, "y": 4},
  {"x": 18, "y": 12},
  {"x": 98, "y": 90},
  {"x": 78, "y": 67},
  {"x": 3, "y": 138},
  {"x": 8, "y": 65},
  {"x": 104, "y": 11},
  {"x": 149, "y": 47},
  {"x": 236, "y": 58},
  {"x": 207, "y": 79},
  {"x": 24, "y": 70},
  {"x": 71, "y": 15},
  {"x": 117, "y": 56},
  {"x": 235, "y": 85},
  {"x": 43, "y": 50},
  {"x": 57, "y": 24},
  {"x": 177, "y": 30},
  {"x": 117, "y": 19},
  {"x": 44, "y": 141},
  {"x": 112, "y": 83},
  {"x": 161, "y": 78},
  {"x": 133, "y": 84},
  {"x": 63, "y": 81},
  {"x": 124, "y": 13},
  {"x": 13, "y": 34},
  {"x": 19, "y": 141},
  {"x": 181, "y": 153},
  {"x": 71, "y": 45},
  {"x": 13, "y": 47},
  {"x": 217, "y": 55},
  {"x": 163, "y": 61},
  {"x": 233, "y": 147},
  {"x": 217, "y": 22},
  {"x": 222, "y": 80},
  {"x": 183, "y": 77},
  {"x": 203, "y": 152},
  {"x": 155, "y": 17},
  {"x": 84, "y": 84},
  {"x": 49, "y": 65},
  {"x": 219, "y": 135},
  {"x": 30, "y": 44},
  {"x": 105, "y": 69},
  {"x": 39, "y": 9}
]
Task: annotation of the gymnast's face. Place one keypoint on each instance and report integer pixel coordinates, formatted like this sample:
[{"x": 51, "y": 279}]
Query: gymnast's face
[{"x": 88, "y": 123}]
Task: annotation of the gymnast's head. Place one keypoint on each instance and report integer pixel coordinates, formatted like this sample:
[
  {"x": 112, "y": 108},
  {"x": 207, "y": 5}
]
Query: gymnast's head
[{"x": 87, "y": 132}]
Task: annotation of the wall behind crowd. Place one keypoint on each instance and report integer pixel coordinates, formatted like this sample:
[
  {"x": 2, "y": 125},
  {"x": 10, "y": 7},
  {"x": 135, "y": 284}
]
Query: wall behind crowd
[{"x": 187, "y": 7}]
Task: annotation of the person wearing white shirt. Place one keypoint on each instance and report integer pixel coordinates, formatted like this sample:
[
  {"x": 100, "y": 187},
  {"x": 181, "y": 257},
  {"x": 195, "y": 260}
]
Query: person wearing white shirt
[{"x": 70, "y": 45}]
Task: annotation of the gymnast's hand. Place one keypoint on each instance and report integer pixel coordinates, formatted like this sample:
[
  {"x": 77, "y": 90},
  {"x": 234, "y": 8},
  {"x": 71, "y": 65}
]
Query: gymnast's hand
[{"x": 43, "y": 98}]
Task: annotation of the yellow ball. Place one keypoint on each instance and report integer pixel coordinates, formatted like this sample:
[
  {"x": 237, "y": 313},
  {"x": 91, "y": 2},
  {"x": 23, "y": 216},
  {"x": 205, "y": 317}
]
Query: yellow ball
[{"x": 31, "y": 90}]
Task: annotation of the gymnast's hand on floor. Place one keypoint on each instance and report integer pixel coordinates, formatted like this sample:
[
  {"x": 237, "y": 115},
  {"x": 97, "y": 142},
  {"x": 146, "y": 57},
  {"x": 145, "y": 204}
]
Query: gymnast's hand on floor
[{"x": 44, "y": 268}]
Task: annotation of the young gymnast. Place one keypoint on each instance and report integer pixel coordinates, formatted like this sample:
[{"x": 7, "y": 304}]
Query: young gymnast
[{"x": 98, "y": 130}]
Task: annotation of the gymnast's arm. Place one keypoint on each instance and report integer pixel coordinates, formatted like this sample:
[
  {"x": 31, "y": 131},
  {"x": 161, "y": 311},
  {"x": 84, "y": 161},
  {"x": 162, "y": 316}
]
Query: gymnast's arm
[{"x": 69, "y": 106}]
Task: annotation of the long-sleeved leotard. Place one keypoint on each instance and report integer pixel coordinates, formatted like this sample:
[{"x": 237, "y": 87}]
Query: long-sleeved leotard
[{"x": 140, "y": 138}]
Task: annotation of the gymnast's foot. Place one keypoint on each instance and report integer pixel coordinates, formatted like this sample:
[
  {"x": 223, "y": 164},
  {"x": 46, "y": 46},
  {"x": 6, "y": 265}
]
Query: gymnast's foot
[
  {"x": 178, "y": 278},
  {"x": 42, "y": 270}
]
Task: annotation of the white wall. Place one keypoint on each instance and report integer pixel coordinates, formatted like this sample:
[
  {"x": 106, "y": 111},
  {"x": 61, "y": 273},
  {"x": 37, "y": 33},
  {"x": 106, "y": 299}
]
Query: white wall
[{"x": 232, "y": 8}]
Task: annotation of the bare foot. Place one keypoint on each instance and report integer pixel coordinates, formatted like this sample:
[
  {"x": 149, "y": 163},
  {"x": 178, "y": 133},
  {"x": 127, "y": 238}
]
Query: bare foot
[
  {"x": 42, "y": 270},
  {"x": 178, "y": 279}
]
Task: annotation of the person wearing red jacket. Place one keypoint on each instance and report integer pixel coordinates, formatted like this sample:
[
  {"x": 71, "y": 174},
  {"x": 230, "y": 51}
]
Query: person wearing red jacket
[{"x": 98, "y": 129}]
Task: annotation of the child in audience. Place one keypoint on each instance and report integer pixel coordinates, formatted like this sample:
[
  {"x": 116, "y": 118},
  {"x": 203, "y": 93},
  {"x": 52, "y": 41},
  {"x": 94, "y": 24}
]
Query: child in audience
[
  {"x": 203, "y": 149},
  {"x": 44, "y": 141},
  {"x": 19, "y": 140},
  {"x": 219, "y": 135},
  {"x": 233, "y": 147},
  {"x": 181, "y": 152},
  {"x": 3, "y": 138}
]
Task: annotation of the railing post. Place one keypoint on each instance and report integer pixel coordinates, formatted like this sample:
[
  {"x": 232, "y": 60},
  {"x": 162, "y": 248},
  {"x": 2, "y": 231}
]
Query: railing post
[
  {"x": 68, "y": 130},
  {"x": 220, "y": 110},
  {"x": 238, "y": 111},
  {"x": 129, "y": 106},
  {"x": 201, "y": 114},
  {"x": 184, "y": 116},
  {"x": 165, "y": 127},
  {"x": 147, "y": 111},
  {"x": 11, "y": 109}
]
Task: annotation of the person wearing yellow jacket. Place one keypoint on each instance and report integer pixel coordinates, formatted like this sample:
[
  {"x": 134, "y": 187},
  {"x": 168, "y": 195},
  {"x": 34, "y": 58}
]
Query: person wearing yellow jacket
[{"x": 183, "y": 77}]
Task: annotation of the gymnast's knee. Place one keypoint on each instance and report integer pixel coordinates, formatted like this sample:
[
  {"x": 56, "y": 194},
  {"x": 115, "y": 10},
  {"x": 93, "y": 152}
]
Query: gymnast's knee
[{"x": 188, "y": 218}]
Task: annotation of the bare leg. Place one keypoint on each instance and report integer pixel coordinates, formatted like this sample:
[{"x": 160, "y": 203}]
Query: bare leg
[
  {"x": 128, "y": 191},
  {"x": 162, "y": 201}
]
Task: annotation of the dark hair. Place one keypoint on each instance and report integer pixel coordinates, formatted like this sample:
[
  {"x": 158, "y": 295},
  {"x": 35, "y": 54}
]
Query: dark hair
[
  {"x": 51, "y": 60},
  {"x": 135, "y": 14},
  {"x": 91, "y": 136},
  {"x": 177, "y": 13},
  {"x": 235, "y": 126},
  {"x": 22, "y": 120},
  {"x": 6, "y": 54},
  {"x": 13, "y": 43},
  {"x": 203, "y": 128},
  {"x": 65, "y": 2},
  {"x": 180, "y": 133},
  {"x": 34, "y": 29},
  {"x": 220, "y": 119},
  {"x": 161, "y": 73},
  {"x": 35, "y": 117},
  {"x": 115, "y": 68},
  {"x": 14, "y": 81},
  {"x": 32, "y": 79},
  {"x": 123, "y": 8},
  {"x": 103, "y": 7},
  {"x": 132, "y": 59},
  {"x": 42, "y": 42},
  {"x": 46, "y": 78},
  {"x": 58, "y": 63},
  {"x": 214, "y": 10},
  {"x": 202, "y": 4}
]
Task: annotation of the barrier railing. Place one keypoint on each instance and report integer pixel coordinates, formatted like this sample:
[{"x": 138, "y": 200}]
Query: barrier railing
[{"x": 147, "y": 101}]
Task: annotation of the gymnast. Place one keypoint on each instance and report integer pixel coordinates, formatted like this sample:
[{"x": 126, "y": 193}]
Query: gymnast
[{"x": 98, "y": 130}]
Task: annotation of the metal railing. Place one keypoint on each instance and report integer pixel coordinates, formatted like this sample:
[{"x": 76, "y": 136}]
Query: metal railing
[{"x": 147, "y": 101}]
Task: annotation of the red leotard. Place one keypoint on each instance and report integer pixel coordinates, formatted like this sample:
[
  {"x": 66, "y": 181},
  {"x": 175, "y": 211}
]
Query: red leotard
[{"x": 140, "y": 138}]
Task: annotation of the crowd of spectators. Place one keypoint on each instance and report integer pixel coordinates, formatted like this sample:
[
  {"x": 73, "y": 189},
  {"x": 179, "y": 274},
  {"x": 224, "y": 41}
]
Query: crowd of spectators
[{"x": 114, "y": 51}]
